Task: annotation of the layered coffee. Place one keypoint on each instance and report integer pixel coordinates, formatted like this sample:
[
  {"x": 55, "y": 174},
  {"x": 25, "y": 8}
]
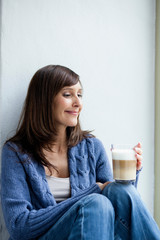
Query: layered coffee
[{"x": 124, "y": 164}]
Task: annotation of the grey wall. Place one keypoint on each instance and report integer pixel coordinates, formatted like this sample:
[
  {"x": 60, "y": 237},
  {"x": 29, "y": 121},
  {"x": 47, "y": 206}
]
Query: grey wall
[{"x": 110, "y": 44}]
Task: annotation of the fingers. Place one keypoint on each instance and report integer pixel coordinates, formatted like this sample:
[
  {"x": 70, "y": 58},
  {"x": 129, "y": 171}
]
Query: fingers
[
  {"x": 102, "y": 185},
  {"x": 139, "y": 162},
  {"x": 106, "y": 183},
  {"x": 138, "y": 150},
  {"x": 139, "y": 145}
]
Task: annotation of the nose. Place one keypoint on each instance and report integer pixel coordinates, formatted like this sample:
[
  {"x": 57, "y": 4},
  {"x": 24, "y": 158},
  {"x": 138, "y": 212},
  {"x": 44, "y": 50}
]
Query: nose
[{"x": 77, "y": 102}]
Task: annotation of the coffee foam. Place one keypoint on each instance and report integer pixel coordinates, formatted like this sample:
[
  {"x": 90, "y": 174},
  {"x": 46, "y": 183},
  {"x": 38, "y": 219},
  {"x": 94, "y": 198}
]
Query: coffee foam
[{"x": 123, "y": 154}]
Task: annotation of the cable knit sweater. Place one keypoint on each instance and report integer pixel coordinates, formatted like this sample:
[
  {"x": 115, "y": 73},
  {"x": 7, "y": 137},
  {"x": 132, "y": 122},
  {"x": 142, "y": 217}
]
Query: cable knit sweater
[{"x": 28, "y": 206}]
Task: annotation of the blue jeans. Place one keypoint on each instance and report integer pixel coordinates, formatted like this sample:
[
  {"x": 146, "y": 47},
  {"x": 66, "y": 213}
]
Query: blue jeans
[{"x": 118, "y": 213}]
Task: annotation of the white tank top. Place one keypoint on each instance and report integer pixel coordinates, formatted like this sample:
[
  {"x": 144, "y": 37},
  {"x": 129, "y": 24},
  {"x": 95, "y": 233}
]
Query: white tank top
[{"x": 59, "y": 187}]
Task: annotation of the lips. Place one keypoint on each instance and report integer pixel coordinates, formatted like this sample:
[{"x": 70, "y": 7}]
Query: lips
[{"x": 72, "y": 113}]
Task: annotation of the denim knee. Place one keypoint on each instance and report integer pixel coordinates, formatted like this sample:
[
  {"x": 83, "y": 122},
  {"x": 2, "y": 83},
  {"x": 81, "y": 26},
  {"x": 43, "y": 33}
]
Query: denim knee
[
  {"x": 94, "y": 218},
  {"x": 98, "y": 202},
  {"x": 132, "y": 219},
  {"x": 122, "y": 192}
]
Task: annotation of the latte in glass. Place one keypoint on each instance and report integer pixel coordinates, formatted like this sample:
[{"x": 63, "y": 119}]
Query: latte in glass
[{"x": 124, "y": 164}]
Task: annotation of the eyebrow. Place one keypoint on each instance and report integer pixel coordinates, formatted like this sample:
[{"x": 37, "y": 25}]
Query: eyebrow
[{"x": 68, "y": 88}]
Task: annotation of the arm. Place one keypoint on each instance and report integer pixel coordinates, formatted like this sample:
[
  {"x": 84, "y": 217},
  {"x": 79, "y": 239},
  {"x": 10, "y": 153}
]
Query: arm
[
  {"x": 103, "y": 167},
  {"x": 22, "y": 220}
]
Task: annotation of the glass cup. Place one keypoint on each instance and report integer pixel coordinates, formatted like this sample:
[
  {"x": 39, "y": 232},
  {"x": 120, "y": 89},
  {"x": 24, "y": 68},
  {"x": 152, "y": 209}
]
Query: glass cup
[{"x": 123, "y": 162}]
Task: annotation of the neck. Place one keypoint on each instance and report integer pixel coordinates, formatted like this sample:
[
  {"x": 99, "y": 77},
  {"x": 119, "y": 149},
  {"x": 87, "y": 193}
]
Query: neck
[{"x": 60, "y": 145}]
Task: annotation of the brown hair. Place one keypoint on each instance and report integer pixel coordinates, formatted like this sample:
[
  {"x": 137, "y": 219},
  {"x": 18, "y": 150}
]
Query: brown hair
[{"x": 36, "y": 129}]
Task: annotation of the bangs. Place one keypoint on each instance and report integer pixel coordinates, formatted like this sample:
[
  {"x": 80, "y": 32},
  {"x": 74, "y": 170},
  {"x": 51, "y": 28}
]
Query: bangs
[{"x": 64, "y": 77}]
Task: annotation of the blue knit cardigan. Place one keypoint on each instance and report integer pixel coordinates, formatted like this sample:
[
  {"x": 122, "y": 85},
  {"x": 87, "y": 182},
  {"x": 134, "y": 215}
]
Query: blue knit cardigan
[{"x": 28, "y": 206}]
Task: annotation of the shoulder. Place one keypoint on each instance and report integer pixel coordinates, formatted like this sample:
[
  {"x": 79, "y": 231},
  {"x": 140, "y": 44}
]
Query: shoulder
[
  {"x": 12, "y": 152},
  {"x": 91, "y": 144},
  {"x": 11, "y": 163},
  {"x": 94, "y": 142},
  {"x": 14, "y": 158},
  {"x": 10, "y": 148}
]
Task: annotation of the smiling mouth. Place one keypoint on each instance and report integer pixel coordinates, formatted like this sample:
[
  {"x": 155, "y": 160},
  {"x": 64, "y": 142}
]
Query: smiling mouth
[{"x": 72, "y": 113}]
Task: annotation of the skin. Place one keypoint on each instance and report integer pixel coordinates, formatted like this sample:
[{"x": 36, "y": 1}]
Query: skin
[{"x": 67, "y": 106}]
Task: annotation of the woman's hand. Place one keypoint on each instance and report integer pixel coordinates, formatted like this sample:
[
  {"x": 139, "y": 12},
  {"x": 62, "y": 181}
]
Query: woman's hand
[
  {"x": 102, "y": 185},
  {"x": 138, "y": 150}
]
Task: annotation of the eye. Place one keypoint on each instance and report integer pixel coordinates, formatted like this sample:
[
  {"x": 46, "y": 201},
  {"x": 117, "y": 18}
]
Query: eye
[
  {"x": 80, "y": 95},
  {"x": 66, "y": 94}
]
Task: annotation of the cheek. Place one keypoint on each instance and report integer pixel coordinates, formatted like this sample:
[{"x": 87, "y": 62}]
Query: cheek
[
  {"x": 61, "y": 104},
  {"x": 81, "y": 106},
  {"x": 65, "y": 103}
]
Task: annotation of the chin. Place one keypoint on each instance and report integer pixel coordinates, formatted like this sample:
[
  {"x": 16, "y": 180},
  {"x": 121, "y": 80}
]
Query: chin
[{"x": 72, "y": 124}]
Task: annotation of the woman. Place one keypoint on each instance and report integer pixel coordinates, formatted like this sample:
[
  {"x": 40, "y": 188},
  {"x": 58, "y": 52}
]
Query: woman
[{"x": 56, "y": 178}]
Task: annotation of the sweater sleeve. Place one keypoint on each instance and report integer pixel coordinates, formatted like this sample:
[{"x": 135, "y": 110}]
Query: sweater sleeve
[
  {"x": 103, "y": 167},
  {"x": 22, "y": 220}
]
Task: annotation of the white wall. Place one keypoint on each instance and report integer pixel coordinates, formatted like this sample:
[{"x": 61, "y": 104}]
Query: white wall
[{"x": 110, "y": 44}]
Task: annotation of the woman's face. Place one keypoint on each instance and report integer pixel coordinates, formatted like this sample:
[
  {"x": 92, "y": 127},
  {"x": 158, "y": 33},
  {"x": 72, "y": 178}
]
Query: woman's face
[{"x": 67, "y": 106}]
